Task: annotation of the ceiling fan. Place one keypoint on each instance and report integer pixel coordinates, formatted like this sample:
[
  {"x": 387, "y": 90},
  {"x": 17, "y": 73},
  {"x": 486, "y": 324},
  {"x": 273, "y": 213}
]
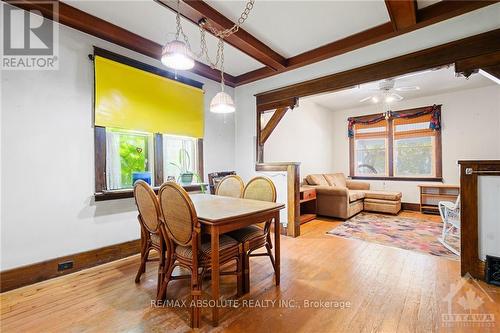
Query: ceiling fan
[{"x": 386, "y": 92}]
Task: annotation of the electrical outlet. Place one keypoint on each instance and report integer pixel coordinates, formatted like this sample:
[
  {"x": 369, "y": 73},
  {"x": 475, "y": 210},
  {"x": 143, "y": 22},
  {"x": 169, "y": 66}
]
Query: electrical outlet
[{"x": 62, "y": 266}]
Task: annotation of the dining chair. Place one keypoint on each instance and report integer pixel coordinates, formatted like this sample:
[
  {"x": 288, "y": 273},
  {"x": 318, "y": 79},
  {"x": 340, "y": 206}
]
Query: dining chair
[
  {"x": 187, "y": 248},
  {"x": 256, "y": 236},
  {"x": 230, "y": 186},
  {"x": 149, "y": 219},
  {"x": 450, "y": 214},
  {"x": 215, "y": 177}
]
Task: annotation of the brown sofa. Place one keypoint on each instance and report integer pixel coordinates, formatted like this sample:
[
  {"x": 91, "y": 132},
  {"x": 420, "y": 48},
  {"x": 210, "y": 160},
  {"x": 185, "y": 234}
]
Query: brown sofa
[{"x": 342, "y": 198}]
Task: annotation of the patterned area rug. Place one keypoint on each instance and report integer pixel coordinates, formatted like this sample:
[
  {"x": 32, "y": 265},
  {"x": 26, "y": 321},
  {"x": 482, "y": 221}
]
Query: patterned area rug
[{"x": 405, "y": 233}]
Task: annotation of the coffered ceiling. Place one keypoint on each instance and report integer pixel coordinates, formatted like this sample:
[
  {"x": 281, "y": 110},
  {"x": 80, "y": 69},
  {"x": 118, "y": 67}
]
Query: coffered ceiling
[{"x": 278, "y": 36}]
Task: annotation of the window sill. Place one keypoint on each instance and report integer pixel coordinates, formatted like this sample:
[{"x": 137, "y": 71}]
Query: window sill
[
  {"x": 129, "y": 193},
  {"x": 408, "y": 179}
]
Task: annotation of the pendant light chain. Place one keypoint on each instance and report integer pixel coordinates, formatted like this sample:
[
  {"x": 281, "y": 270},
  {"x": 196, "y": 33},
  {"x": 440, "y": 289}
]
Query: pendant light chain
[
  {"x": 178, "y": 54},
  {"x": 220, "y": 34}
]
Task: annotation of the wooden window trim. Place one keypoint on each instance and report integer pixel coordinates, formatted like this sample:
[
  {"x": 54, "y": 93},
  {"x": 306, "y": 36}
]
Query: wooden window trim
[
  {"x": 438, "y": 177},
  {"x": 101, "y": 189}
]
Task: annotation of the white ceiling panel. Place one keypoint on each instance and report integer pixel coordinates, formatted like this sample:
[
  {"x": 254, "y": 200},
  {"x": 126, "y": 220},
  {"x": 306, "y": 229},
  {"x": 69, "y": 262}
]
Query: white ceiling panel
[
  {"x": 430, "y": 83},
  {"x": 293, "y": 27},
  {"x": 157, "y": 23}
]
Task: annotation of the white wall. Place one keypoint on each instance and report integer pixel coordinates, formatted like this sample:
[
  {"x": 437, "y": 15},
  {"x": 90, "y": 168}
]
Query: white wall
[
  {"x": 470, "y": 130},
  {"x": 469, "y": 24},
  {"x": 47, "y": 158},
  {"x": 303, "y": 135},
  {"x": 488, "y": 191}
]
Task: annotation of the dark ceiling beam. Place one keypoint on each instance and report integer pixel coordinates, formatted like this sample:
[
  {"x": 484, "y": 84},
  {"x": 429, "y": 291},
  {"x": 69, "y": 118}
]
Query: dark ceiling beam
[
  {"x": 493, "y": 70},
  {"x": 470, "y": 65},
  {"x": 403, "y": 13},
  {"x": 432, "y": 14},
  {"x": 446, "y": 9},
  {"x": 92, "y": 25},
  {"x": 196, "y": 10},
  {"x": 485, "y": 43}
]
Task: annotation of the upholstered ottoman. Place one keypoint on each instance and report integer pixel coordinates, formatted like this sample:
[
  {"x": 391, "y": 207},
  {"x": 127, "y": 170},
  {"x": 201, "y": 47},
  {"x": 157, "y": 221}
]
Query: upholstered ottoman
[{"x": 382, "y": 201}]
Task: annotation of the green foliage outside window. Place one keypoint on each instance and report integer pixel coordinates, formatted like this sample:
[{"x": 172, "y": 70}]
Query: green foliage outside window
[
  {"x": 413, "y": 156},
  {"x": 133, "y": 156}
]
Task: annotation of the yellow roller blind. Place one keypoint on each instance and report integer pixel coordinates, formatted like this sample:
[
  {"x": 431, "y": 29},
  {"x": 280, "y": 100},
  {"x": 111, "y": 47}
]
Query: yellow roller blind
[{"x": 130, "y": 98}]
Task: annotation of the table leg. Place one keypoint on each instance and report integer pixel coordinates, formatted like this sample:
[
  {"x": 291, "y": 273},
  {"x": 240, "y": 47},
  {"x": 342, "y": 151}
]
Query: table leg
[
  {"x": 215, "y": 274},
  {"x": 277, "y": 233}
]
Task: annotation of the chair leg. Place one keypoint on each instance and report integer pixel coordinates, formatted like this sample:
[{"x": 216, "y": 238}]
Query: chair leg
[
  {"x": 246, "y": 269},
  {"x": 161, "y": 273},
  {"x": 144, "y": 258},
  {"x": 162, "y": 293},
  {"x": 239, "y": 271},
  {"x": 269, "y": 240},
  {"x": 271, "y": 256},
  {"x": 195, "y": 297}
]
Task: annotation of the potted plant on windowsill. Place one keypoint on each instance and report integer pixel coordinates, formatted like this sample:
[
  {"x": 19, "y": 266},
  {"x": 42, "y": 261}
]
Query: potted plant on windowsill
[{"x": 184, "y": 161}]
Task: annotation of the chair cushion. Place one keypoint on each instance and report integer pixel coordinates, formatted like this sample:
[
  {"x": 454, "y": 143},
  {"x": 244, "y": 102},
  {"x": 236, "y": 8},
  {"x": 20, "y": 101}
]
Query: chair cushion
[
  {"x": 383, "y": 195},
  {"x": 246, "y": 233},
  {"x": 225, "y": 242},
  {"x": 355, "y": 195},
  {"x": 336, "y": 179},
  {"x": 316, "y": 179},
  {"x": 155, "y": 239}
]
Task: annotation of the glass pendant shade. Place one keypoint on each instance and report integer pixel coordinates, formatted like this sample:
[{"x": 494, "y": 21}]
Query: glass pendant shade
[
  {"x": 176, "y": 55},
  {"x": 222, "y": 103}
]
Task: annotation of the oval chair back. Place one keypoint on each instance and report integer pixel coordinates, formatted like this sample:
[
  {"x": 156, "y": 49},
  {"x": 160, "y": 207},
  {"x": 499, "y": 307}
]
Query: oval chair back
[
  {"x": 149, "y": 220},
  {"x": 230, "y": 186},
  {"x": 263, "y": 189},
  {"x": 147, "y": 205},
  {"x": 260, "y": 188},
  {"x": 178, "y": 213}
]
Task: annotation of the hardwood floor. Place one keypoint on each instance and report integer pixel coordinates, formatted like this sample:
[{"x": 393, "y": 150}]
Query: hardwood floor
[{"x": 388, "y": 290}]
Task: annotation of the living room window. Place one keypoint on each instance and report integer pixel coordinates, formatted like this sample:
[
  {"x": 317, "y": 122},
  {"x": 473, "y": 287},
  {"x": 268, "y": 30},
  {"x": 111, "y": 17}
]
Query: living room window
[
  {"x": 400, "y": 145},
  {"x": 371, "y": 149}
]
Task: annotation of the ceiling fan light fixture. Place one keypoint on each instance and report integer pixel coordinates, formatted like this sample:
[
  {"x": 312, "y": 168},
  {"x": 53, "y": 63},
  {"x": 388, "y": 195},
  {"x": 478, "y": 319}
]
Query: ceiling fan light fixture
[
  {"x": 222, "y": 103},
  {"x": 176, "y": 55}
]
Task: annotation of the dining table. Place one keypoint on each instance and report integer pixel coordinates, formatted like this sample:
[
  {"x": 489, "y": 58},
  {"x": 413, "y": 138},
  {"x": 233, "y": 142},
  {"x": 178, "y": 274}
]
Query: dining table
[{"x": 218, "y": 215}]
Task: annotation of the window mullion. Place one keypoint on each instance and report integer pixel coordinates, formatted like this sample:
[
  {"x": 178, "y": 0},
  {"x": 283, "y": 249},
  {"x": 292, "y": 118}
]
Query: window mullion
[{"x": 158, "y": 159}]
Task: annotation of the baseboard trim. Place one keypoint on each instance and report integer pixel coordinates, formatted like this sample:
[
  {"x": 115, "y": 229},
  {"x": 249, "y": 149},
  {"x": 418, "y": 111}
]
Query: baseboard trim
[
  {"x": 410, "y": 206},
  {"x": 41, "y": 271}
]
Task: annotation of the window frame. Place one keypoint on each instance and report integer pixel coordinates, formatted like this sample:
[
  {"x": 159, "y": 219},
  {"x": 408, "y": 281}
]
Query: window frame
[
  {"x": 390, "y": 151},
  {"x": 100, "y": 156}
]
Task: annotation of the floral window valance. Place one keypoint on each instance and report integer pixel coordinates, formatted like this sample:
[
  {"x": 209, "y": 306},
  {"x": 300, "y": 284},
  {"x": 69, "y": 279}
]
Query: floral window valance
[{"x": 434, "y": 123}]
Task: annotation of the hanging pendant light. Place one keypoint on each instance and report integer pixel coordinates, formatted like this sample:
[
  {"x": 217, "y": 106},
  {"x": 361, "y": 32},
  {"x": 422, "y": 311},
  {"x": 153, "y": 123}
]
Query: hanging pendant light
[
  {"x": 176, "y": 55},
  {"x": 222, "y": 102}
]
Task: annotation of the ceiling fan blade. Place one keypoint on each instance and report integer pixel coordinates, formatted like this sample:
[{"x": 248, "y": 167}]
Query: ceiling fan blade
[
  {"x": 365, "y": 99},
  {"x": 397, "y": 97},
  {"x": 407, "y": 88}
]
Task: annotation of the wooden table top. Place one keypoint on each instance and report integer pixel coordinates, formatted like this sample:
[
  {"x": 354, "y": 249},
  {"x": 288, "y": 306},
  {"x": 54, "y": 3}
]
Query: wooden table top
[
  {"x": 214, "y": 208},
  {"x": 439, "y": 185}
]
